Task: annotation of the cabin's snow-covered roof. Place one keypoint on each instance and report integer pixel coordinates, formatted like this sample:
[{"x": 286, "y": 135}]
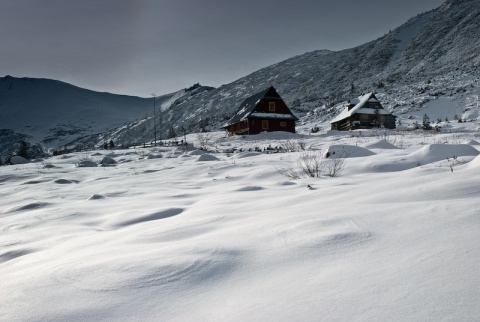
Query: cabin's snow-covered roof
[
  {"x": 360, "y": 102},
  {"x": 273, "y": 116}
]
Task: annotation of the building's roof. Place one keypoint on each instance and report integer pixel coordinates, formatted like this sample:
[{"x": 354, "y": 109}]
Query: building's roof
[
  {"x": 360, "y": 102},
  {"x": 273, "y": 116},
  {"x": 249, "y": 104}
]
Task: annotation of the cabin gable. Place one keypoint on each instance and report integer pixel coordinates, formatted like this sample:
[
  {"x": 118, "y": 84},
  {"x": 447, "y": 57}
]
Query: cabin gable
[{"x": 264, "y": 111}]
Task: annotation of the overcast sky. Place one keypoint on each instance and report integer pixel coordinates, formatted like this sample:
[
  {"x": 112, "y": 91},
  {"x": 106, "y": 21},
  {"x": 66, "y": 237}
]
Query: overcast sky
[{"x": 138, "y": 47}]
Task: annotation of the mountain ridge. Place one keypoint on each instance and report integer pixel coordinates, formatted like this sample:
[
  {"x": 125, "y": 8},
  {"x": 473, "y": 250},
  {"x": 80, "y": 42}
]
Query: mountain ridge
[
  {"x": 54, "y": 113},
  {"x": 325, "y": 78}
]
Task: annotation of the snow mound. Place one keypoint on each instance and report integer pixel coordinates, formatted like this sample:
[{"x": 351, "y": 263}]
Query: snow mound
[
  {"x": 107, "y": 161},
  {"x": 114, "y": 155},
  {"x": 346, "y": 151},
  {"x": 379, "y": 144},
  {"x": 18, "y": 160},
  {"x": 153, "y": 156},
  {"x": 197, "y": 152},
  {"x": 96, "y": 197},
  {"x": 86, "y": 164},
  {"x": 207, "y": 157},
  {"x": 474, "y": 164},
  {"x": 242, "y": 155},
  {"x": 436, "y": 152},
  {"x": 472, "y": 142},
  {"x": 158, "y": 215},
  {"x": 29, "y": 206},
  {"x": 63, "y": 181},
  {"x": 250, "y": 188},
  {"x": 286, "y": 183}
]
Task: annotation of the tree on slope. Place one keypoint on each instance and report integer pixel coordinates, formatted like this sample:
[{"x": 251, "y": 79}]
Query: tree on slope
[
  {"x": 426, "y": 122},
  {"x": 22, "y": 150}
]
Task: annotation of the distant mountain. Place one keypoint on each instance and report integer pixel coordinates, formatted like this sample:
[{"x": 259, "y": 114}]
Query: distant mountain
[{"x": 54, "y": 112}]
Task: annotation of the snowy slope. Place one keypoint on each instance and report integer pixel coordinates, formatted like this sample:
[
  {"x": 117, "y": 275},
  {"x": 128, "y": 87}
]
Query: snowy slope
[
  {"x": 180, "y": 239},
  {"x": 45, "y": 108},
  {"x": 55, "y": 113},
  {"x": 439, "y": 43}
]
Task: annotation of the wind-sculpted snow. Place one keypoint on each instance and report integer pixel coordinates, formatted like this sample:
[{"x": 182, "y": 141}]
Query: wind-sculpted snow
[
  {"x": 437, "y": 152},
  {"x": 474, "y": 164},
  {"x": 207, "y": 157},
  {"x": 380, "y": 144},
  {"x": 346, "y": 151},
  {"x": 29, "y": 206},
  {"x": 171, "y": 239}
]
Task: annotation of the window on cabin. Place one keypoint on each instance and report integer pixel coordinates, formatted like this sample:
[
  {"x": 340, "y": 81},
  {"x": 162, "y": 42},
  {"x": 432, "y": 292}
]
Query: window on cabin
[
  {"x": 364, "y": 118},
  {"x": 283, "y": 124},
  {"x": 264, "y": 124},
  {"x": 271, "y": 106}
]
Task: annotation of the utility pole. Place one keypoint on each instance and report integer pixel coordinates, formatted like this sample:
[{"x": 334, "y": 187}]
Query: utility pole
[{"x": 154, "y": 119}]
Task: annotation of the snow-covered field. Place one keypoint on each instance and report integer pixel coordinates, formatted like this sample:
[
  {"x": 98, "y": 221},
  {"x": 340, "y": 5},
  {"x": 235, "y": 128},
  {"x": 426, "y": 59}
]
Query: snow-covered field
[{"x": 226, "y": 237}]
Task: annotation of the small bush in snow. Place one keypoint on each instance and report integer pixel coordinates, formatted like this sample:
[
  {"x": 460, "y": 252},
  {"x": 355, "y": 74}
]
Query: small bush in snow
[
  {"x": 294, "y": 145},
  {"x": 426, "y": 123},
  {"x": 204, "y": 139},
  {"x": 86, "y": 162},
  {"x": 312, "y": 165},
  {"x": 335, "y": 166}
]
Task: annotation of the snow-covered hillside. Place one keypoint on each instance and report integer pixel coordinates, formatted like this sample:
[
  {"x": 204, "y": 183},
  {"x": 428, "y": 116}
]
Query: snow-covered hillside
[
  {"x": 166, "y": 234},
  {"x": 439, "y": 45},
  {"x": 55, "y": 113}
]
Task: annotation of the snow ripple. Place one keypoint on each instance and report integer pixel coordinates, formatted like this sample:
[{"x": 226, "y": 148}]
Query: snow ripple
[
  {"x": 104, "y": 272},
  {"x": 14, "y": 227},
  {"x": 29, "y": 206},
  {"x": 250, "y": 188},
  {"x": 151, "y": 217},
  {"x": 317, "y": 233},
  {"x": 64, "y": 181},
  {"x": 8, "y": 256}
]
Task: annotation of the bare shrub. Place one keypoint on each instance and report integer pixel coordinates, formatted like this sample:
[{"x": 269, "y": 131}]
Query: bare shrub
[
  {"x": 335, "y": 166},
  {"x": 289, "y": 173},
  {"x": 400, "y": 143},
  {"x": 204, "y": 139},
  {"x": 141, "y": 153},
  {"x": 86, "y": 161},
  {"x": 294, "y": 145},
  {"x": 312, "y": 165}
]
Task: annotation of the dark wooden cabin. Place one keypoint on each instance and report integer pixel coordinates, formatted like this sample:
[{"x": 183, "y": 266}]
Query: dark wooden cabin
[
  {"x": 263, "y": 112},
  {"x": 364, "y": 112}
]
